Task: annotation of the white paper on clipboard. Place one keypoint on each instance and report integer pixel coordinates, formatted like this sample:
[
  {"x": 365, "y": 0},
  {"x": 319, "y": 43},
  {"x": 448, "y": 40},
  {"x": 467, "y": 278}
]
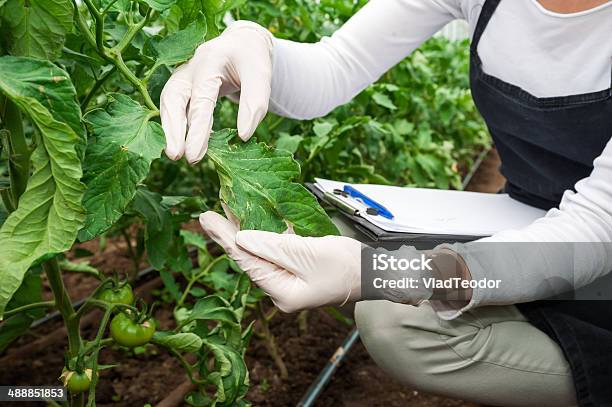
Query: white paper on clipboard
[{"x": 433, "y": 211}]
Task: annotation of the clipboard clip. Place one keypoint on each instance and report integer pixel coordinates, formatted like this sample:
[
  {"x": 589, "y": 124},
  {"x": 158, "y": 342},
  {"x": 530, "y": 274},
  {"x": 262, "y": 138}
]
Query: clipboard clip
[
  {"x": 341, "y": 204},
  {"x": 373, "y": 207}
]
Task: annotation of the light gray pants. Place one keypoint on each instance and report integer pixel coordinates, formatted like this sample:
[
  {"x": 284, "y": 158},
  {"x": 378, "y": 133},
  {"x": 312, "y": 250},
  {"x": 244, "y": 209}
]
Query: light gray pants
[{"x": 490, "y": 355}]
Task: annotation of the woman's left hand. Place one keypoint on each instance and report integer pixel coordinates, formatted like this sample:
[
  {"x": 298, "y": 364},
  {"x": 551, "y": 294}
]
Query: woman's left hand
[{"x": 296, "y": 272}]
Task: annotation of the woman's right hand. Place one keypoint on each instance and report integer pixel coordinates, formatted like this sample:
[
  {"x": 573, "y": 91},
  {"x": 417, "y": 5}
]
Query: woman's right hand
[{"x": 238, "y": 62}]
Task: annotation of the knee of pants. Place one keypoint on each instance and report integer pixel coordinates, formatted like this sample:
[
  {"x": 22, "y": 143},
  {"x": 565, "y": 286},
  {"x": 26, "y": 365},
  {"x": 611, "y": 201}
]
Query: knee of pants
[
  {"x": 483, "y": 357},
  {"x": 402, "y": 339},
  {"x": 410, "y": 344}
]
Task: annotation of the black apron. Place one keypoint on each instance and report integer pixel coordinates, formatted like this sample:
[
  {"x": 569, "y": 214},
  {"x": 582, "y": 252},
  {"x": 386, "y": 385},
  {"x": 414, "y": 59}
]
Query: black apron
[{"x": 546, "y": 145}]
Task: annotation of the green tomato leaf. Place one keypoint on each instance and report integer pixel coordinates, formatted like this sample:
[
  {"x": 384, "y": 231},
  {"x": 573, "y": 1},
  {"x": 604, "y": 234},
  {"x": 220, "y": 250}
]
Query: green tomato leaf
[
  {"x": 170, "y": 284},
  {"x": 3, "y": 214},
  {"x": 157, "y": 81},
  {"x": 288, "y": 142},
  {"x": 158, "y": 232},
  {"x": 30, "y": 291},
  {"x": 149, "y": 205},
  {"x": 383, "y": 100},
  {"x": 160, "y": 5},
  {"x": 403, "y": 127},
  {"x": 177, "y": 47},
  {"x": 115, "y": 5},
  {"x": 80, "y": 267},
  {"x": 36, "y": 28},
  {"x": 12, "y": 328},
  {"x": 222, "y": 281},
  {"x": 197, "y": 399},
  {"x": 117, "y": 160},
  {"x": 240, "y": 294},
  {"x": 322, "y": 128},
  {"x": 49, "y": 212},
  {"x": 189, "y": 11},
  {"x": 232, "y": 375},
  {"x": 34, "y": 79},
  {"x": 214, "y": 308},
  {"x": 194, "y": 239},
  {"x": 431, "y": 164},
  {"x": 256, "y": 183},
  {"x": 181, "y": 342}
]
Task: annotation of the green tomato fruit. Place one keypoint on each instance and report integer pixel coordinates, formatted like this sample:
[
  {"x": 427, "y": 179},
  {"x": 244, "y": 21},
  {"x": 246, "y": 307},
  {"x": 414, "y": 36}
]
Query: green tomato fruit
[
  {"x": 123, "y": 295},
  {"x": 130, "y": 334},
  {"x": 76, "y": 382}
]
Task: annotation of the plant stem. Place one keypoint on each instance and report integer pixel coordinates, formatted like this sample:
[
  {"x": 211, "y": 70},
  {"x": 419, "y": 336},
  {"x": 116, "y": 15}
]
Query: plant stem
[
  {"x": 117, "y": 60},
  {"x": 108, "y": 7},
  {"x": 92, "y": 345},
  {"x": 97, "y": 347},
  {"x": 24, "y": 308},
  {"x": 195, "y": 279},
  {"x": 276, "y": 123},
  {"x": 188, "y": 367},
  {"x": 99, "y": 20},
  {"x": 102, "y": 304},
  {"x": 96, "y": 87},
  {"x": 270, "y": 342},
  {"x": 131, "y": 33},
  {"x": 114, "y": 55},
  {"x": 64, "y": 306},
  {"x": 18, "y": 152},
  {"x": 83, "y": 25},
  {"x": 303, "y": 321},
  {"x": 132, "y": 254}
]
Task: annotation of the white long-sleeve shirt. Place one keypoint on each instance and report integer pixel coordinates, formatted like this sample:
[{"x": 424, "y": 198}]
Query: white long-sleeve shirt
[{"x": 547, "y": 54}]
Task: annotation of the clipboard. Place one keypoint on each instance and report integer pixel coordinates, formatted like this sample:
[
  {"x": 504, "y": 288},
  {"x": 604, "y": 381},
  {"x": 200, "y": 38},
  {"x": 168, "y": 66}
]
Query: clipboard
[
  {"x": 377, "y": 234},
  {"x": 424, "y": 214}
]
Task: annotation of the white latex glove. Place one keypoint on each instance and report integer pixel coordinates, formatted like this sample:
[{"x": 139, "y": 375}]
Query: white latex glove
[
  {"x": 239, "y": 60},
  {"x": 296, "y": 272}
]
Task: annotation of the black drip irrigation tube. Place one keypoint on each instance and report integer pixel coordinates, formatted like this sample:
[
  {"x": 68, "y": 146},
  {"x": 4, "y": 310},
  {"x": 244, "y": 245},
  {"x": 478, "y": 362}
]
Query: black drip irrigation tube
[
  {"x": 317, "y": 387},
  {"x": 479, "y": 160}
]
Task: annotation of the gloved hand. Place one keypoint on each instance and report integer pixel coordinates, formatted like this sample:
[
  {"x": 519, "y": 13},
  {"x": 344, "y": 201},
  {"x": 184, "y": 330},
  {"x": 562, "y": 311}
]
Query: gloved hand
[
  {"x": 306, "y": 272},
  {"x": 240, "y": 60},
  {"x": 296, "y": 272}
]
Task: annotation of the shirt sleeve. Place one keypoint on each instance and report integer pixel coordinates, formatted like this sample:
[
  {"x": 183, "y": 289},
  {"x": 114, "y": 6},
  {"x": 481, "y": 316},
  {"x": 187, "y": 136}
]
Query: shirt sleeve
[
  {"x": 309, "y": 80},
  {"x": 567, "y": 249}
]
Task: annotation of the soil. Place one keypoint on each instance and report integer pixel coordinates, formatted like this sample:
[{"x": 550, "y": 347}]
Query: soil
[
  {"x": 488, "y": 178},
  {"x": 357, "y": 383},
  {"x": 150, "y": 376}
]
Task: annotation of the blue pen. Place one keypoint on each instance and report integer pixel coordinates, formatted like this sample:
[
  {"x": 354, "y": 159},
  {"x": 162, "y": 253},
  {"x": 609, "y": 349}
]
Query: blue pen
[{"x": 382, "y": 211}]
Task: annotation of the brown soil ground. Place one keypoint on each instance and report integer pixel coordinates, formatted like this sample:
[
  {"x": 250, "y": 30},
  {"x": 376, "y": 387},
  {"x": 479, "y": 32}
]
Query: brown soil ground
[
  {"x": 150, "y": 376},
  {"x": 488, "y": 178}
]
